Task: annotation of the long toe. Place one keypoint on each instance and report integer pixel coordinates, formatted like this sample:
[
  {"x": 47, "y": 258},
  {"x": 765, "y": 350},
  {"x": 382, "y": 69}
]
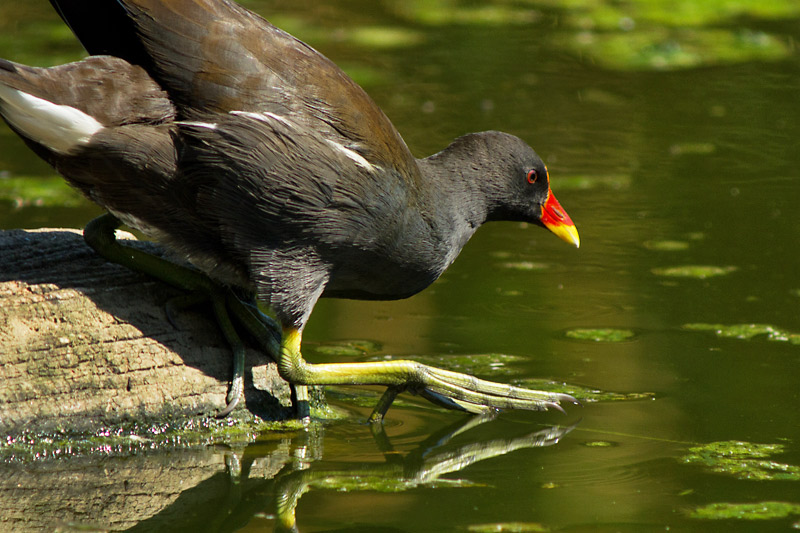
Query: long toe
[{"x": 467, "y": 393}]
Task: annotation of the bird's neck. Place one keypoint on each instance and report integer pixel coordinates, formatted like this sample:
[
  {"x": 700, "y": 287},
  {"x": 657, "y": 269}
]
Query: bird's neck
[{"x": 461, "y": 182}]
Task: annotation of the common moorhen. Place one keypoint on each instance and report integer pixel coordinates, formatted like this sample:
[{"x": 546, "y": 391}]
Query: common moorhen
[{"x": 258, "y": 160}]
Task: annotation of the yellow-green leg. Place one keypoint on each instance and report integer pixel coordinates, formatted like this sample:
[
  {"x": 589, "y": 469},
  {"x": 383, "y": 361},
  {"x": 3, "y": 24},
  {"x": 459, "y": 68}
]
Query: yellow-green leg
[{"x": 443, "y": 387}]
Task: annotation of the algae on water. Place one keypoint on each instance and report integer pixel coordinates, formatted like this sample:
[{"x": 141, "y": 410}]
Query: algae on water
[
  {"x": 743, "y": 460},
  {"x": 694, "y": 271},
  {"x": 746, "y": 331},
  {"x": 666, "y": 245},
  {"x": 584, "y": 394},
  {"x": 746, "y": 511},
  {"x": 600, "y": 334},
  {"x": 347, "y": 348}
]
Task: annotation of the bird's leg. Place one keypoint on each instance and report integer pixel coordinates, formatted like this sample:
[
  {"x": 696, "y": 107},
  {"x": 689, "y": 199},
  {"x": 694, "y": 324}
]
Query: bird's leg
[
  {"x": 236, "y": 391},
  {"x": 99, "y": 235},
  {"x": 443, "y": 387},
  {"x": 385, "y": 402}
]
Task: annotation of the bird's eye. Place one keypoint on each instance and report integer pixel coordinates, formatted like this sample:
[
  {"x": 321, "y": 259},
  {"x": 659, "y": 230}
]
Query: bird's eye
[{"x": 532, "y": 176}]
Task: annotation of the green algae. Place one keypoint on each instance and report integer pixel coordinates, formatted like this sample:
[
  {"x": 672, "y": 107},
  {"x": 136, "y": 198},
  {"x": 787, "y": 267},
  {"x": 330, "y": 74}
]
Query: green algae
[
  {"x": 678, "y": 48},
  {"x": 446, "y": 12},
  {"x": 689, "y": 148},
  {"x": 736, "y": 331},
  {"x": 666, "y": 245},
  {"x": 508, "y": 527},
  {"x": 654, "y": 35},
  {"x": 487, "y": 364},
  {"x": 600, "y": 444},
  {"x": 746, "y": 331},
  {"x": 511, "y": 292},
  {"x": 381, "y": 482},
  {"x": 743, "y": 460},
  {"x": 367, "y": 397},
  {"x": 133, "y": 438},
  {"x": 746, "y": 511},
  {"x": 384, "y": 37},
  {"x": 346, "y": 348},
  {"x": 694, "y": 271},
  {"x": 600, "y": 334},
  {"x": 606, "y": 15},
  {"x": 737, "y": 449},
  {"x": 524, "y": 265},
  {"x": 591, "y": 182},
  {"x": 583, "y": 394}
]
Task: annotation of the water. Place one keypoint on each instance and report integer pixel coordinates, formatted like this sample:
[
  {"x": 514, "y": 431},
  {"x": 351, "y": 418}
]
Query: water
[{"x": 681, "y": 166}]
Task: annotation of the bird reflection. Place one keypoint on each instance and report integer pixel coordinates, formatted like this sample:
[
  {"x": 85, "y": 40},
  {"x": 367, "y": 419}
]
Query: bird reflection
[{"x": 243, "y": 492}]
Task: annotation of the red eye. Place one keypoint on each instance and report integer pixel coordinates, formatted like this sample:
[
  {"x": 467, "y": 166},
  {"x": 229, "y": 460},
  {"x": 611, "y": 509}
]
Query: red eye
[{"x": 532, "y": 176}]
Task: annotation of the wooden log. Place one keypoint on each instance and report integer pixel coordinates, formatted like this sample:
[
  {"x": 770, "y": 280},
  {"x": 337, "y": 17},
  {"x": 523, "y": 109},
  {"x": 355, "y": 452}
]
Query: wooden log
[{"x": 85, "y": 344}]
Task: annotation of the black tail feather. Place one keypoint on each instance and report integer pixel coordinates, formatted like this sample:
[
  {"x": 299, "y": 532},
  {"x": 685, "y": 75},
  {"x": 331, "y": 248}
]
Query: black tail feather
[{"x": 104, "y": 27}]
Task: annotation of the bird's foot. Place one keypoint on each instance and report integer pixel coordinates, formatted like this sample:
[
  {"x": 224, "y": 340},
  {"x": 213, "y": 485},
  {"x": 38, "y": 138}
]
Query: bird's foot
[
  {"x": 442, "y": 387},
  {"x": 463, "y": 392},
  {"x": 224, "y": 303}
]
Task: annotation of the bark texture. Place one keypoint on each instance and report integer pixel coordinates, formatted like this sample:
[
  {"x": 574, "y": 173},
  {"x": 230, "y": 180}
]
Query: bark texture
[{"x": 85, "y": 343}]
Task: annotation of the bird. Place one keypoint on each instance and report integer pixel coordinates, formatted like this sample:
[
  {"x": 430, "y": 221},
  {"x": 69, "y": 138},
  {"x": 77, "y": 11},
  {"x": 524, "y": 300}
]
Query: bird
[{"x": 258, "y": 161}]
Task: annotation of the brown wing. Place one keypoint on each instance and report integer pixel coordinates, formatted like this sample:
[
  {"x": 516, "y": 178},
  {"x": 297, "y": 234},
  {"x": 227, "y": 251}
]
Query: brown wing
[{"x": 216, "y": 56}]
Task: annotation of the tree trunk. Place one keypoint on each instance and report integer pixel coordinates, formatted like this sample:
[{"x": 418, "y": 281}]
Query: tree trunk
[{"x": 85, "y": 344}]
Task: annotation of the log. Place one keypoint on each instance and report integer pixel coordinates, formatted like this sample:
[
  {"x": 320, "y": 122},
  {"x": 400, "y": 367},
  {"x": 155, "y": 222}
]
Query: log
[{"x": 86, "y": 344}]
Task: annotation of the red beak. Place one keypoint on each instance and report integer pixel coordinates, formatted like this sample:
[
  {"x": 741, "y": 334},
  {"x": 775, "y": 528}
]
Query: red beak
[{"x": 557, "y": 220}]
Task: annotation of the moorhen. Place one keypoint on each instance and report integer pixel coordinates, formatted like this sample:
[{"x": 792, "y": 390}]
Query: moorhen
[{"x": 255, "y": 158}]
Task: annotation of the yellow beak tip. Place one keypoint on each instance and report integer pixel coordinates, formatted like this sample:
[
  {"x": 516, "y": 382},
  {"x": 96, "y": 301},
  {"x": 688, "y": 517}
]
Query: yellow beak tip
[{"x": 568, "y": 234}]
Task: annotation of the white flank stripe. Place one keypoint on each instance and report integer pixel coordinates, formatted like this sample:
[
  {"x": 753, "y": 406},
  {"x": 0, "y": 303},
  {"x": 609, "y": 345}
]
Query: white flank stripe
[
  {"x": 355, "y": 156},
  {"x": 280, "y": 119},
  {"x": 60, "y": 128},
  {"x": 206, "y": 125},
  {"x": 264, "y": 117}
]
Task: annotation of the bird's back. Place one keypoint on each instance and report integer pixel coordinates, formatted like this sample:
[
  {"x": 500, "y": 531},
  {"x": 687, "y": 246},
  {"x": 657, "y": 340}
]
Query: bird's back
[{"x": 215, "y": 56}]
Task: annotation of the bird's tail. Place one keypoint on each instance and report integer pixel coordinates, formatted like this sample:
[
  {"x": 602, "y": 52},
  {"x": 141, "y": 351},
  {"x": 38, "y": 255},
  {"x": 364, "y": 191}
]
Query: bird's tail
[
  {"x": 28, "y": 105},
  {"x": 104, "y": 27}
]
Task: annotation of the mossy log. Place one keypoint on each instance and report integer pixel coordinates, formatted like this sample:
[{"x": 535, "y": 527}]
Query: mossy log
[{"x": 85, "y": 344}]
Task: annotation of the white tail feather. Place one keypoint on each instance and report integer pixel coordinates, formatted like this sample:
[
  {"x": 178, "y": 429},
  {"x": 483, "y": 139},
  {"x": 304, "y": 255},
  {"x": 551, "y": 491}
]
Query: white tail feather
[{"x": 60, "y": 128}]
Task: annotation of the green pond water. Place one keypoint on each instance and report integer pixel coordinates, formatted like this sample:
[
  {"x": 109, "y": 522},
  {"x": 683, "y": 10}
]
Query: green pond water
[{"x": 670, "y": 130}]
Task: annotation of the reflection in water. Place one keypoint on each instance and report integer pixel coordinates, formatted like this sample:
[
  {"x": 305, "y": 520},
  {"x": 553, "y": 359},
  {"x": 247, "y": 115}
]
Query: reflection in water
[{"x": 251, "y": 488}]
